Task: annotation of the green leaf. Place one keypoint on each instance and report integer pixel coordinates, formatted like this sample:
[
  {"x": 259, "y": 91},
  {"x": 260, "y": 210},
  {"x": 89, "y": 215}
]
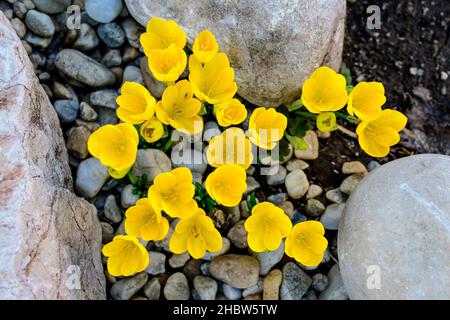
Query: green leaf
[
  {"x": 203, "y": 110},
  {"x": 297, "y": 142},
  {"x": 297, "y": 126},
  {"x": 346, "y": 73},
  {"x": 297, "y": 104},
  {"x": 251, "y": 202}
]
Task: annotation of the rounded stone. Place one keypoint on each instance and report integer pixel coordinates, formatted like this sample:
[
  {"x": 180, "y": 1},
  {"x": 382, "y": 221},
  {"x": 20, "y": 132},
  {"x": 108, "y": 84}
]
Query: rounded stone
[
  {"x": 265, "y": 43},
  {"x": 177, "y": 287},
  {"x": 111, "y": 34},
  {"x": 104, "y": 11},
  {"x": 40, "y": 23},
  {"x": 235, "y": 270},
  {"x": 52, "y": 6},
  {"x": 76, "y": 65},
  {"x": 396, "y": 224},
  {"x": 296, "y": 184}
]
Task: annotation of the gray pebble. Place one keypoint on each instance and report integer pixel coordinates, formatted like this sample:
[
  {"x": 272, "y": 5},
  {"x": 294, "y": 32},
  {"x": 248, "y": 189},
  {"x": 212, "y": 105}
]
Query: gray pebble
[
  {"x": 52, "y": 6},
  {"x": 152, "y": 289},
  {"x": 67, "y": 110},
  {"x": 127, "y": 198},
  {"x": 40, "y": 23},
  {"x": 112, "y": 211},
  {"x": 111, "y": 34},
  {"x": 87, "y": 38},
  {"x": 83, "y": 69},
  {"x": 314, "y": 207},
  {"x": 104, "y": 11},
  {"x": 269, "y": 259},
  {"x": 336, "y": 196},
  {"x": 107, "y": 232},
  {"x": 206, "y": 287},
  {"x": 37, "y": 41},
  {"x": 295, "y": 282},
  {"x": 319, "y": 282},
  {"x": 231, "y": 293},
  {"x": 19, "y": 27},
  {"x": 332, "y": 216},
  {"x": 127, "y": 287},
  {"x": 87, "y": 113},
  {"x": 176, "y": 287},
  {"x": 238, "y": 235},
  {"x": 91, "y": 176},
  {"x": 277, "y": 176},
  {"x": 112, "y": 58},
  {"x": 157, "y": 263}
]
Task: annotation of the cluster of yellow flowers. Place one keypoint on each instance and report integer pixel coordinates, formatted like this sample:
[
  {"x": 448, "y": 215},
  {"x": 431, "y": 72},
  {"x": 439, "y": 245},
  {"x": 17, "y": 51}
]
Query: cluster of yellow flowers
[
  {"x": 325, "y": 92},
  {"x": 211, "y": 82}
]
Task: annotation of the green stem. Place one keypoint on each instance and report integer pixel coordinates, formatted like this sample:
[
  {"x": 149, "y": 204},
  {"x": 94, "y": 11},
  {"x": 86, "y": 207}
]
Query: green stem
[
  {"x": 346, "y": 117},
  {"x": 306, "y": 114}
]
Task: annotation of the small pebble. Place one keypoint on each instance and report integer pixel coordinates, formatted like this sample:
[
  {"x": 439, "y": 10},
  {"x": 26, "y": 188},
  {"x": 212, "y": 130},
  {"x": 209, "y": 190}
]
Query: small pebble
[
  {"x": 314, "y": 191},
  {"x": 152, "y": 289},
  {"x": 332, "y": 216},
  {"x": 112, "y": 211},
  {"x": 177, "y": 287},
  {"x": 77, "y": 138},
  {"x": 314, "y": 207},
  {"x": 40, "y": 23},
  {"x": 127, "y": 287},
  {"x": 350, "y": 183},
  {"x": 336, "y": 196},
  {"x": 157, "y": 263},
  {"x": 353, "y": 167},
  {"x": 111, "y": 34},
  {"x": 67, "y": 110},
  {"x": 87, "y": 113}
]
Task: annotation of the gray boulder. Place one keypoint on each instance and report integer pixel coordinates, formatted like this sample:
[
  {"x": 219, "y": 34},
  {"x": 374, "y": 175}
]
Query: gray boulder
[{"x": 273, "y": 47}]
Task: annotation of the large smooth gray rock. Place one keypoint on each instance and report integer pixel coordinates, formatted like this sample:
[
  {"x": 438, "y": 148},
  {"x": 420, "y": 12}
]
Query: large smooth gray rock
[
  {"x": 273, "y": 46},
  {"x": 396, "y": 229},
  {"x": 50, "y": 239}
]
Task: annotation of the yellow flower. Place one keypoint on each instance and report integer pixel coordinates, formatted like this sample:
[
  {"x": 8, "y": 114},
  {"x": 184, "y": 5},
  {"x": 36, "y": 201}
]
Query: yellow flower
[
  {"x": 115, "y": 145},
  {"x": 230, "y": 147},
  {"x": 178, "y": 108},
  {"x": 306, "y": 243},
  {"x": 377, "y": 136},
  {"x": 366, "y": 99},
  {"x": 205, "y": 46},
  {"x": 214, "y": 81},
  {"x": 142, "y": 220},
  {"x": 118, "y": 174},
  {"x": 231, "y": 112},
  {"x": 173, "y": 192},
  {"x": 136, "y": 104},
  {"x": 266, "y": 127},
  {"x": 161, "y": 34},
  {"x": 266, "y": 227},
  {"x": 226, "y": 184},
  {"x": 167, "y": 64},
  {"x": 324, "y": 90},
  {"x": 195, "y": 234},
  {"x": 326, "y": 121},
  {"x": 126, "y": 256},
  {"x": 152, "y": 130}
]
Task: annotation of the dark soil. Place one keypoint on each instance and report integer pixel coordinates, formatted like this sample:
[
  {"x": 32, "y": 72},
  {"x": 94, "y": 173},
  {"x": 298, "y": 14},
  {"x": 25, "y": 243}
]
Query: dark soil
[{"x": 410, "y": 54}]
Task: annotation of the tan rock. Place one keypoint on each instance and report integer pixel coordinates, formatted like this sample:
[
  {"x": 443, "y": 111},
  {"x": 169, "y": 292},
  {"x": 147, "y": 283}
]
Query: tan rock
[
  {"x": 312, "y": 152},
  {"x": 353, "y": 167},
  {"x": 50, "y": 239},
  {"x": 271, "y": 285}
]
